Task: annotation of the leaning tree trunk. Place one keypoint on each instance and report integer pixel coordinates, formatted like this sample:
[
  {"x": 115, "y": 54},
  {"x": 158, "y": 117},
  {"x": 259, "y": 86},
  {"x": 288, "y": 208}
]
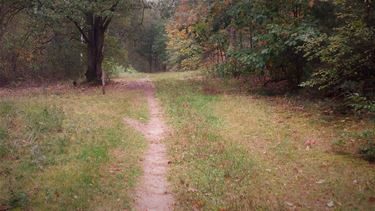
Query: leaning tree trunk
[{"x": 95, "y": 48}]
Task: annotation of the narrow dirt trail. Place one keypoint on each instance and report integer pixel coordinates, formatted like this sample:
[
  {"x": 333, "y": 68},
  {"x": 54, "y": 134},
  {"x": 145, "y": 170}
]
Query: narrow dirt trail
[{"x": 153, "y": 192}]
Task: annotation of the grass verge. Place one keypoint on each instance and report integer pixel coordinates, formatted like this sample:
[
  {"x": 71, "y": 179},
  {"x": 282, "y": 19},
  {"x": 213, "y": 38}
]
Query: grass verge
[
  {"x": 234, "y": 151},
  {"x": 69, "y": 151}
]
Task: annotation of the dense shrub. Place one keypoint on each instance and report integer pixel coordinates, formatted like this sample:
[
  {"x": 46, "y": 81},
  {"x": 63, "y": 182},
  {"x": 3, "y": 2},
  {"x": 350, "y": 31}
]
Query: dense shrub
[
  {"x": 326, "y": 46},
  {"x": 368, "y": 151}
]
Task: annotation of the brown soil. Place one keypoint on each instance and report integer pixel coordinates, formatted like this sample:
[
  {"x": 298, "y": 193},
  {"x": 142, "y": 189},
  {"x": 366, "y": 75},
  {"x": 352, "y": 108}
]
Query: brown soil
[{"x": 152, "y": 193}]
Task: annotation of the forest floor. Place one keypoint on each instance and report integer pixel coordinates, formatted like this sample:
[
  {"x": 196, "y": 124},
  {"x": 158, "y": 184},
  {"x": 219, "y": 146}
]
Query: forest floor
[{"x": 227, "y": 148}]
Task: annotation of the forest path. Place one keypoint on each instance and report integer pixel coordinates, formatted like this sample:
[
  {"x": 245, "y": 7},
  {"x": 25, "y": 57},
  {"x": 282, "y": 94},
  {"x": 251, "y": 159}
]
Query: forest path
[{"x": 153, "y": 192}]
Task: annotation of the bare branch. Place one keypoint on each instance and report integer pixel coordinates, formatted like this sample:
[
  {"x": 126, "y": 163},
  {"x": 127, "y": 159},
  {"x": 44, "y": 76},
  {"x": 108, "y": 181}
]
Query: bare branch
[
  {"x": 106, "y": 22},
  {"x": 79, "y": 29}
]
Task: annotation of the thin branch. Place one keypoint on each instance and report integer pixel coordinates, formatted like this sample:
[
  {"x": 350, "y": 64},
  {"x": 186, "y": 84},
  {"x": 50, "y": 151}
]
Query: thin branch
[
  {"x": 79, "y": 29},
  {"x": 48, "y": 40},
  {"x": 107, "y": 20},
  {"x": 143, "y": 12},
  {"x": 106, "y": 23}
]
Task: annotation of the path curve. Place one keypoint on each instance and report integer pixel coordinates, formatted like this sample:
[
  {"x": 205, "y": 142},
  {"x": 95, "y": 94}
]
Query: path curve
[{"x": 153, "y": 192}]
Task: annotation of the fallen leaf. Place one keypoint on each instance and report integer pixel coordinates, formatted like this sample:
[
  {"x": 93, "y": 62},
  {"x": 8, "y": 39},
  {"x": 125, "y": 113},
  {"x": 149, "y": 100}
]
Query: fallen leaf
[
  {"x": 310, "y": 142},
  {"x": 320, "y": 181},
  {"x": 192, "y": 190},
  {"x": 289, "y": 204},
  {"x": 330, "y": 204}
]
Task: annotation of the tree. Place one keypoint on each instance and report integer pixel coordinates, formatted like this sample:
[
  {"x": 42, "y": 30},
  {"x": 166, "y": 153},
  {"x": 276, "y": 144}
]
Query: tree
[
  {"x": 184, "y": 52},
  {"x": 327, "y": 45},
  {"x": 344, "y": 57},
  {"x": 91, "y": 18}
]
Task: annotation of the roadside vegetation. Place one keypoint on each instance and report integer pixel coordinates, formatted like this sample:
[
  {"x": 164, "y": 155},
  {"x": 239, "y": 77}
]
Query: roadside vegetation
[
  {"x": 231, "y": 150},
  {"x": 325, "y": 47}
]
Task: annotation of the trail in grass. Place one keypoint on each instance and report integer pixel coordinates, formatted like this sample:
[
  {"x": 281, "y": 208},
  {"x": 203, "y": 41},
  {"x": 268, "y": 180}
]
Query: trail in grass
[{"x": 153, "y": 193}]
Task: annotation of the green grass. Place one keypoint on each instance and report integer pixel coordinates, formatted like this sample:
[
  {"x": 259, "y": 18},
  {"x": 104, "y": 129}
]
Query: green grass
[
  {"x": 160, "y": 76},
  {"x": 70, "y": 151},
  {"x": 203, "y": 164},
  {"x": 230, "y": 149},
  {"x": 236, "y": 151}
]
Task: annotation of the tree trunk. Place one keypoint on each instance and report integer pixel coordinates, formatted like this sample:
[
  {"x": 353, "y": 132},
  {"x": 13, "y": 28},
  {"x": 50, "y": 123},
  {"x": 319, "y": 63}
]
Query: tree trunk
[
  {"x": 95, "y": 48},
  {"x": 96, "y": 26},
  {"x": 232, "y": 38},
  {"x": 150, "y": 64}
]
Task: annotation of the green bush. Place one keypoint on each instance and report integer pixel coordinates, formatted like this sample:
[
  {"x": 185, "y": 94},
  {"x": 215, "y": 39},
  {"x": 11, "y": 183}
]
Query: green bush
[
  {"x": 131, "y": 70},
  {"x": 368, "y": 151},
  {"x": 360, "y": 103},
  {"x": 112, "y": 68},
  {"x": 345, "y": 61}
]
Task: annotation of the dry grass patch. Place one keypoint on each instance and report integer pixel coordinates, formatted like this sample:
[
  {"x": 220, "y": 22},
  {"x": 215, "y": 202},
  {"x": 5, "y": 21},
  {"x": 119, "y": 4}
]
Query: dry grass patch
[
  {"x": 298, "y": 165},
  {"x": 234, "y": 151},
  {"x": 57, "y": 150}
]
